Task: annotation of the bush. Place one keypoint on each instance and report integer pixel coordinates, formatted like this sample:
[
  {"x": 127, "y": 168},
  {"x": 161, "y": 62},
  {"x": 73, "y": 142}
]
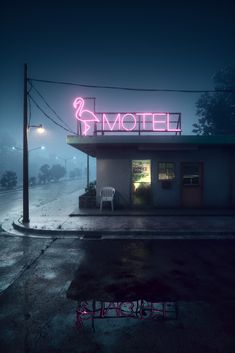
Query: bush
[
  {"x": 9, "y": 179},
  {"x": 32, "y": 181},
  {"x": 91, "y": 190}
]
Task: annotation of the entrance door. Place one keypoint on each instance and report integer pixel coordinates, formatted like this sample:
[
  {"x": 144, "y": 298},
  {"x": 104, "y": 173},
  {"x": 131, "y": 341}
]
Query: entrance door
[
  {"x": 192, "y": 185},
  {"x": 141, "y": 183}
]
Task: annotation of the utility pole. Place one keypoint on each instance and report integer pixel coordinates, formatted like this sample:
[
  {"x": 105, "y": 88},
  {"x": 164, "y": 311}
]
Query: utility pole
[
  {"x": 87, "y": 171},
  {"x": 25, "y": 150}
]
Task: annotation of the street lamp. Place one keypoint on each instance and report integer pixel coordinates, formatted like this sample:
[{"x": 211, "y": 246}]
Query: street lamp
[
  {"x": 14, "y": 148},
  {"x": 37, "y": 148},
  {"x": 40, "y": 128},
  {"x": 65, "y": 161},
  {"x": 26, "y": 128}
]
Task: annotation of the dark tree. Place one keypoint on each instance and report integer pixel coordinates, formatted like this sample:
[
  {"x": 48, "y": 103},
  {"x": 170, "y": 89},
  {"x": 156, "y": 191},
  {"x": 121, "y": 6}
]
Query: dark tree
[
  {"x": 9, "y": 179},
  {"x": 32, "y": 181},
  {"x": 57, "y": 172},
  {"x": 75, "y": 173},
  {"x": 72, "y": 174},
  {"x": 44, "y": 175},
  {"x": 216, "y": 111}
]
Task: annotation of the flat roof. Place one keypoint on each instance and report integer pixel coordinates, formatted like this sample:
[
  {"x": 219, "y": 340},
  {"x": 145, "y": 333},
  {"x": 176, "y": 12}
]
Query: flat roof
[{"x": 91, "y": 144}]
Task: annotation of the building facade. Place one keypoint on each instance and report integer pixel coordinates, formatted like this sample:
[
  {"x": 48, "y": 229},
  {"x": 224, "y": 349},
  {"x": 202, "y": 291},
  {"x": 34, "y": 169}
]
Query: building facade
[{"x": 163, "y": 171}]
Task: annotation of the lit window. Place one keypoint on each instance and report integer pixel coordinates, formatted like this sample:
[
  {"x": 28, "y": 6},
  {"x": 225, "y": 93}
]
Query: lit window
[{"x": 166, "y": 171}]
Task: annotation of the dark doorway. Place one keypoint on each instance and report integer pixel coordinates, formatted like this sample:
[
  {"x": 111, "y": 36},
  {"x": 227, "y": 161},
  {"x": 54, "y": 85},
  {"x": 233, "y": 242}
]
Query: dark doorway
[{"x": 192, "y": 185}]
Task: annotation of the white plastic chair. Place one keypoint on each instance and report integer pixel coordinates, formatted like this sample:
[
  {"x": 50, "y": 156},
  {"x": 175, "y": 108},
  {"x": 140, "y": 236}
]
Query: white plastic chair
[{"x": 107, "y": 194}]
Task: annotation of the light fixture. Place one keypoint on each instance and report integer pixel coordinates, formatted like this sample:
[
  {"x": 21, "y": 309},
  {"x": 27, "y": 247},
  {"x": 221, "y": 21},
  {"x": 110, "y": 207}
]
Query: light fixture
[{"x": 40, "y": 129}]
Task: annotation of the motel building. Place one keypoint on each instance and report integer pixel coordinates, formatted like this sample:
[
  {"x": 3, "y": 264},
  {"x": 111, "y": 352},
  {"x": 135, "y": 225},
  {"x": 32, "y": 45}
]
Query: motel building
[{"x": 148, "y": 161}]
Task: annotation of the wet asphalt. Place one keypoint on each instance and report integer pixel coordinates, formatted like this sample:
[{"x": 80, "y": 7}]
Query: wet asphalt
[{"x": 44, "y": 281}]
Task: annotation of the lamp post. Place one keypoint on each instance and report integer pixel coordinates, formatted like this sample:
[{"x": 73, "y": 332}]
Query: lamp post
[
  {"x": 87, "y": 170},
  {"x": 25, "y": 150},
  {"x": 26, "y": 127},
  {"x": 65, "y": 161},
  {"x": 14, "y": 148}
]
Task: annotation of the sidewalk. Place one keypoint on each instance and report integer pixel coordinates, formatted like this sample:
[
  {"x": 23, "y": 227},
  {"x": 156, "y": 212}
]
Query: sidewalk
[{"x": 61, "y": 218}]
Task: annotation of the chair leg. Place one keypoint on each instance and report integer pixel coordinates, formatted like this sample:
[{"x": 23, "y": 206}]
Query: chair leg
[
  {"x": 112, "y": 205},
  {"x": 100, "y": 205}
]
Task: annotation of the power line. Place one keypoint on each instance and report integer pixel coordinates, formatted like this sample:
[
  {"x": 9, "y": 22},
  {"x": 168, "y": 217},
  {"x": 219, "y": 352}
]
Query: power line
[
  {"x": 132, "y": 88},
  {"x": 49, "y": 106},
  {"x": 50, "y": 118}
]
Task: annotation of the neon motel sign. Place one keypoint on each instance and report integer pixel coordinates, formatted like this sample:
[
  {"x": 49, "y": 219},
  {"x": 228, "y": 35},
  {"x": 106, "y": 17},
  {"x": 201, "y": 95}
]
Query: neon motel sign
[{"x": 123, "y": 122}]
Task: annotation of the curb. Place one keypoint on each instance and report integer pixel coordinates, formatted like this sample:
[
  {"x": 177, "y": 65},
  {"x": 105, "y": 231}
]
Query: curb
[{"x": 127, "y": 233}]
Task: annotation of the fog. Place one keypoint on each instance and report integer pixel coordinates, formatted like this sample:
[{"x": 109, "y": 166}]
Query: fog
[{"x": 11, "y": 155}]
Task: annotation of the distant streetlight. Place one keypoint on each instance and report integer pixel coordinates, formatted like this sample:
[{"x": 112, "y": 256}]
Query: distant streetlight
[
  {"x": 65, "y": 161},
  {"x": 37, "y": 148},
  {"x": 14, "y": 148}
]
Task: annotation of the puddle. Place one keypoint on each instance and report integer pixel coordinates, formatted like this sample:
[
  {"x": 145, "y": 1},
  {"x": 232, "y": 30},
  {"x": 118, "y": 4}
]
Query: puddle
[
  {"x": 49, "y": 275},
  {"x": 122, "y": 313}
]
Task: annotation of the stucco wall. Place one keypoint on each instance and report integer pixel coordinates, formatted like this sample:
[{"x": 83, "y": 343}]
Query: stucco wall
[
  {"x": 114, "y": 169},
  {"x": 116, "y": 173}
]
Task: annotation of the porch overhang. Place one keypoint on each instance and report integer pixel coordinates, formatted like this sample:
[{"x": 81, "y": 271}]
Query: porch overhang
[{"x": 92, "y": 144}]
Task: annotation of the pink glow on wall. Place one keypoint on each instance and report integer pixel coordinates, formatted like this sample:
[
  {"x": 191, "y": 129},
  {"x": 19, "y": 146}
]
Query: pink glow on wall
[{"x": 85, "y": 116}]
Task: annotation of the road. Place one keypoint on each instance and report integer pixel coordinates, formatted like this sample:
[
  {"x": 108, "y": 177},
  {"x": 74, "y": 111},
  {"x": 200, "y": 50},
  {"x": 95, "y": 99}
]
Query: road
[
  {"x": 11, "y": 201},
  {"x": 38, "y": 309},
  {"x": 43, "y": 281}
]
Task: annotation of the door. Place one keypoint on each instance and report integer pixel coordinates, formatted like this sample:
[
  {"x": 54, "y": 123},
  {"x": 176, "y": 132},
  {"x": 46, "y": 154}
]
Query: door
[
  {"x": 141, "y": 183},
  {"x": 192, "y": 185}
]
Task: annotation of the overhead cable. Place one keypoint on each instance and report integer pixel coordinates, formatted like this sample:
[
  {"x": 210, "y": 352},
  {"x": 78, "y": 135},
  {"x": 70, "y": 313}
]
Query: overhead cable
[
  {"x": 50, "y": 118},
  {"x": 49, "y": 106},
  {"x": 133, "y": 88}
]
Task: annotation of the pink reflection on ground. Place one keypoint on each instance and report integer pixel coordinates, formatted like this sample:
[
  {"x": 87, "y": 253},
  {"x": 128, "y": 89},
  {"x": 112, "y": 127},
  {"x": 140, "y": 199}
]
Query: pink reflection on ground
[{"x": 138, "y": 309}]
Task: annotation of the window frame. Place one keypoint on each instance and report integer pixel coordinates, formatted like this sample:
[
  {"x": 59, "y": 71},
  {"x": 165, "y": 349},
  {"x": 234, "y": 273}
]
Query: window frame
[
  {"x": 200, "y": 165},
  {"x": 158, "y": 171}
]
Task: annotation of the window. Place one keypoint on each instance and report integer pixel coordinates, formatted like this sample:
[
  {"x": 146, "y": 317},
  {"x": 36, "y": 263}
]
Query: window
[
  {"x": 166, "y": 171},
  {"x": 191, "y": 174}
]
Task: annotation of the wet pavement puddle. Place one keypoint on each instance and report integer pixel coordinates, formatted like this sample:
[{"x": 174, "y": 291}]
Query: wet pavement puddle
[{"x": 90, "y": 313}]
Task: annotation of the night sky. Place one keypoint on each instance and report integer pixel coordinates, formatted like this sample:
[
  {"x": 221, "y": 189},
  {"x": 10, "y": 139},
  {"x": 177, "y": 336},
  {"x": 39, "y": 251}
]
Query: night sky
[{"x": 149, "y": 44}]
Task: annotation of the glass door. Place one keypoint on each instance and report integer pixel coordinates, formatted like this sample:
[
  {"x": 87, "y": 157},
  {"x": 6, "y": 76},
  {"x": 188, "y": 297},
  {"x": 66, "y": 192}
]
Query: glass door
[{"x": 141, "y": 183}]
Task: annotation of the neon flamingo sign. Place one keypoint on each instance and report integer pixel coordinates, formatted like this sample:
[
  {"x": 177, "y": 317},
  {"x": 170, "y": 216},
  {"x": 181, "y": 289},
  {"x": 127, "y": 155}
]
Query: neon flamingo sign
[
  {"x": 85, "y": 116},
  {"x": 123, "y": 122}
]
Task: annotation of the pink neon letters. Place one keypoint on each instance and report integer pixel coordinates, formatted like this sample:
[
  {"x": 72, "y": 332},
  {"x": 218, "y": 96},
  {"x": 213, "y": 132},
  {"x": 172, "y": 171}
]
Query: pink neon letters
[
  {"x": 111, "y": 127},
  {"x": 129, "y": 122}
]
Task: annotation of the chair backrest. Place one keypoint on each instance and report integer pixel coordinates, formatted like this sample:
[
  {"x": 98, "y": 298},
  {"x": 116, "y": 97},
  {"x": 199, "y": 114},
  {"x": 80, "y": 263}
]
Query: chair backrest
[{"x": 107, "y": 192}]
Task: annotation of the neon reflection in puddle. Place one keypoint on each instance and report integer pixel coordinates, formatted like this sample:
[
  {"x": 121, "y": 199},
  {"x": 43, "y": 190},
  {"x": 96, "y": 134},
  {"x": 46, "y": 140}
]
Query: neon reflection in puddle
[{"x": 138, "y": 309}]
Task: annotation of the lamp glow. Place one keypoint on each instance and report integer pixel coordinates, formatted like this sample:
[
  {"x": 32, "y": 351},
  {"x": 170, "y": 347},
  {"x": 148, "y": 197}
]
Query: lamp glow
[{"x": 40, "y": 129}]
